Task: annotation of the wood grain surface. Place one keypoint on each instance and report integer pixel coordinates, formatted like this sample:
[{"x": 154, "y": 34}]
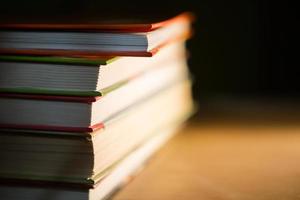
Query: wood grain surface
[{"x": 220, "y": 161}]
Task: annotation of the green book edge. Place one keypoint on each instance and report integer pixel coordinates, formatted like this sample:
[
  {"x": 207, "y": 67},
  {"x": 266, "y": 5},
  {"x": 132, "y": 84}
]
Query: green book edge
[
  {"x": 46, "y": 91},
  {"x": 59, "y": 60}
]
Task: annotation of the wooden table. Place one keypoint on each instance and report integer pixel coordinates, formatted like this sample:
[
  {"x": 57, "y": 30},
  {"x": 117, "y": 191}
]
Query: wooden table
[{"x": 223, "y": 161}]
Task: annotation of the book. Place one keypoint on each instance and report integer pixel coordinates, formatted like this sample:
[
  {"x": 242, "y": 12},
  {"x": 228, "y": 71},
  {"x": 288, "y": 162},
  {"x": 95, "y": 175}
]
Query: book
[
  {"x": 86, "y": 158},
  {"x": 84, "y": 105},
  {"x": 94, "y": 76},
  {"x": 127, "y": 39},
  {"x": 70, "y": 113},
  {"x": 120, "y": 175}
]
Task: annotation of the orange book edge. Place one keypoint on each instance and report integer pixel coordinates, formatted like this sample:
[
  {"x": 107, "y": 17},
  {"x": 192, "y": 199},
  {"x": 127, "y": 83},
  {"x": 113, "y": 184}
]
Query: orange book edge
[{"x": 125, "y": 28}]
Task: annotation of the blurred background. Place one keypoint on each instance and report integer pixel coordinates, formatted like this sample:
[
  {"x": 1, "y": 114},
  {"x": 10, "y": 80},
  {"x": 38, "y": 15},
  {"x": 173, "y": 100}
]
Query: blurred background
[{"x": 242, "y": 55}]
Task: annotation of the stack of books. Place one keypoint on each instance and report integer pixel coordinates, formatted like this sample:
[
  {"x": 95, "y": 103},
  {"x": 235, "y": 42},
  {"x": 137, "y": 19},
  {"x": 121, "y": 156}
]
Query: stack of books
[{"x": 83, "y": 106}]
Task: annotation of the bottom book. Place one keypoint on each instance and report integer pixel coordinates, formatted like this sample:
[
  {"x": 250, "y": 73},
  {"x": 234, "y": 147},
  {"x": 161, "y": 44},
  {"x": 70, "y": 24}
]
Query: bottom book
[{"x": 119, "y": 176}]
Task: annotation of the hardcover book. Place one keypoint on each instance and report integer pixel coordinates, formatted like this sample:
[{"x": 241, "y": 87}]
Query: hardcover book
[
  {"x": 117, "y": 39},
  {"x": 93, "y": 76}
]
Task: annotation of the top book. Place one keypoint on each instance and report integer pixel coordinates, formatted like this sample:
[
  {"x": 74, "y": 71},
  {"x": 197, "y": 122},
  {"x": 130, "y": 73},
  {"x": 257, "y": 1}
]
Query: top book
[{"x": 115, "y": 38}]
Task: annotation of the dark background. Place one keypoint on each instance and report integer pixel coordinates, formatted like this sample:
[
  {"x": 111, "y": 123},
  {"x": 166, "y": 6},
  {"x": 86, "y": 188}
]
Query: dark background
[{"x": 242, "y": 51}]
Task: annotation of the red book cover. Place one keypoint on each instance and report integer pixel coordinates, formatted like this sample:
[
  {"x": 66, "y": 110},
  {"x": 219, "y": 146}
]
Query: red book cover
[
  {"x": 82, "y": 99},
  {"x": 104, "y": 26}
]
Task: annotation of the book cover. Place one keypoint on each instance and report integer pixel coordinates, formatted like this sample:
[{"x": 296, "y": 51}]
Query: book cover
[
  {"x": 88, "y": 60},
  {"x": 108, "y": 39},
  {"x": 119, "y": 25}
]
